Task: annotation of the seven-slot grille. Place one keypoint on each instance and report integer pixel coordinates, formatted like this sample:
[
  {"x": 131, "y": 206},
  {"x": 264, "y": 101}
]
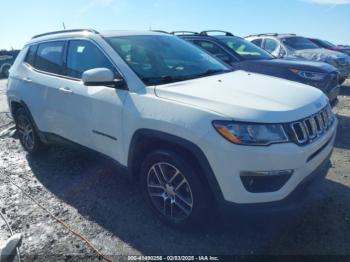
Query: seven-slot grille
[{"x": 309, "y": 129}]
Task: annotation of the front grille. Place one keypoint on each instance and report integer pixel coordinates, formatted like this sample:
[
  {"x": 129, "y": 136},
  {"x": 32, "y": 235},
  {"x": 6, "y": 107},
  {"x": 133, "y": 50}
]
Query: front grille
[{"x": 311, "y": 128}]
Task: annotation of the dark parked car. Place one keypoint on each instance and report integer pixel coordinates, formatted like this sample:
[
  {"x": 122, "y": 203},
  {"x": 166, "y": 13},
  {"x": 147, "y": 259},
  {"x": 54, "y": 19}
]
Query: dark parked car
[
  {"x": 6, "y": 60},
  {"x": 328, "y": 45},
  {"x": 241, "y": 54},
  {"x": 291, "y": 46}
]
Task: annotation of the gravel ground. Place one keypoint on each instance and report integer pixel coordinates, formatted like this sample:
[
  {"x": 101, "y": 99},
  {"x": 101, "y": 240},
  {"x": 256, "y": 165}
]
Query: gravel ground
[{"x": 90, "y": 194}]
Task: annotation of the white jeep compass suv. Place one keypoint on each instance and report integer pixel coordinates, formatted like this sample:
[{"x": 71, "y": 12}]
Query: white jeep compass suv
[{"x": 194, "y": 133}]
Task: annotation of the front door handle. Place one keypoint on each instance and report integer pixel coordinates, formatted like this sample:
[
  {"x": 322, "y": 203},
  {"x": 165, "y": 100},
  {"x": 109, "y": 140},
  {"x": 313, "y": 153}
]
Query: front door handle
[
  {"x": 27, "y": 79},
  {"x": 65, "y": 90}
]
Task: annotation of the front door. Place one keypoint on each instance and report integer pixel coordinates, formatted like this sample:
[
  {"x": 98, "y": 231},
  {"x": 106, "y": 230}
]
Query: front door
[{"x": 93, "y": 114}]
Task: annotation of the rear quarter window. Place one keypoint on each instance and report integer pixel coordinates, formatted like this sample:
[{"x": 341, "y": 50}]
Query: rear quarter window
[{"x": 30, "y": 57}]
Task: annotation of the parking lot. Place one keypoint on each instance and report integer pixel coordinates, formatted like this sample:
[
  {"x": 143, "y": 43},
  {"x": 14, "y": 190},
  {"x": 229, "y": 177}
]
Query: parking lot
[{"x": 91, "y": 195}]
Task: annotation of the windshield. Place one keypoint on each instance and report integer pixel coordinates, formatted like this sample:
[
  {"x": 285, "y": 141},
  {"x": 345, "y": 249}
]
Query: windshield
[
  {"x": 246, "y": 49},
  {"x": 161, "y": 59},
  {"x": 328, "y": 44},
  {"x": 299, "y": 43},
  {"x": 323, "y": 43}
]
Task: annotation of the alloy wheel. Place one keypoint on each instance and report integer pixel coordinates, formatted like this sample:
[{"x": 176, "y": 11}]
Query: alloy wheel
[
  {"x": 170, "y": 191},
  {"x": 26, "y": 133},
  {"x": 6, "y": 72}
]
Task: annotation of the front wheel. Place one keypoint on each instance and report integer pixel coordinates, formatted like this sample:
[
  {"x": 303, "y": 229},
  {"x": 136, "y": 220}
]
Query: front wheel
[
  {"x": 173, "y": 188},
  {"x": 342, "y": 81}
]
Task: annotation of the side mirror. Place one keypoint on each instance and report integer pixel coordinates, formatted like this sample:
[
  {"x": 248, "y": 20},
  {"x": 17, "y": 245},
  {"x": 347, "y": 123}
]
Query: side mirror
[{"x": 101, "y": 77}]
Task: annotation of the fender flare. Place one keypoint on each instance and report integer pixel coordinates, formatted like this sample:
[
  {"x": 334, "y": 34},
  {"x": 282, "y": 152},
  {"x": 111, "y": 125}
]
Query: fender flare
[{"x": 189, "y": 146}]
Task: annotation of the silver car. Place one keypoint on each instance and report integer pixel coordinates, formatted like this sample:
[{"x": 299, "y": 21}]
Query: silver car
[{"x": 291, "y": 46}]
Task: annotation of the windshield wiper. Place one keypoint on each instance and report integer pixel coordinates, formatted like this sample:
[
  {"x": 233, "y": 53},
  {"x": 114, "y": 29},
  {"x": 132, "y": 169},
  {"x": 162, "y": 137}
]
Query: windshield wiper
[
  {"x": 210, "y": 72},
  {"x": 162, "y": 79},
  {"x": 166, "y": 79}
]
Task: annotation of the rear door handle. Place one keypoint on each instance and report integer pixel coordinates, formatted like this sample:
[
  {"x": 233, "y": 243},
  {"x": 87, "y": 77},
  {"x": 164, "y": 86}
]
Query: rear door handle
[
  {"x": 27, "y": 79},
  {"x": 65, "y": 90}
]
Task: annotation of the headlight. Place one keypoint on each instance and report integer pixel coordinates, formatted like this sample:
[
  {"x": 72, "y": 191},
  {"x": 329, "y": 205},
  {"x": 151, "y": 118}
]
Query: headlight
[
  {"x": 250, "y": 133},
  {"x": 309, "y": 75}
]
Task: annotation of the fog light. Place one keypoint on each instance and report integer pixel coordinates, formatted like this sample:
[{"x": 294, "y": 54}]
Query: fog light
[{"x": 265, "y": 181}]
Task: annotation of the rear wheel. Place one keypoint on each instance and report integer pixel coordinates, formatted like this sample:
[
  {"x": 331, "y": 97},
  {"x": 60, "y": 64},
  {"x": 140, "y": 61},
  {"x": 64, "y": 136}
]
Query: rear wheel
[
  {"x": 27, "y": 133},
  {"x": 6, "y": 71},
  {"x": 342, "y": 81},
  {"x": 173, "y": 188}
]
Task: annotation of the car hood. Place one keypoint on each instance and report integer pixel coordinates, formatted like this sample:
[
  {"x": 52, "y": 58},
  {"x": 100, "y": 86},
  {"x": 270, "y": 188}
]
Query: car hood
[
  {"x": 342, "y": 48},
  {"x": 297, "y": 64},
  {"x": 244, "y": 96},
  {"x": 345, "y": 50},
  {"x": 318, "y": 54}
]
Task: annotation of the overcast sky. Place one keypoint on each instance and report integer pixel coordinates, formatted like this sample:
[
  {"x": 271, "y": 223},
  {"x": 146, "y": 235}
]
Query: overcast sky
[{"x": 326, "y": 19}]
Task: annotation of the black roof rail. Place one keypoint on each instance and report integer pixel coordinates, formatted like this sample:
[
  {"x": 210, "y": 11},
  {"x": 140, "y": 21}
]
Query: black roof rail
[
  {"x": 269, "y": 34},
  {"x": 67, "y": 31},
  {"x": 160, "y": 31},
  {"x": 289, "y": 34},
  {"x": 220, "y": 31},
  {"x": 184, "y": 33}
]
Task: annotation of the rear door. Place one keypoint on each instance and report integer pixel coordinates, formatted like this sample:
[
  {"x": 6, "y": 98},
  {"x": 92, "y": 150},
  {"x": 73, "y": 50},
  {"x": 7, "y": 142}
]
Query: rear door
[{"x": 44, "y": 66}]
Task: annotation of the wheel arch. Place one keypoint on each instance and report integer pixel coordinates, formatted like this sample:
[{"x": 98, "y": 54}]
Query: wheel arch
[
  {"x": 145, "y": 141},
  {"x": 3, "y": 66},
  {"x": 15, "y": 105}
]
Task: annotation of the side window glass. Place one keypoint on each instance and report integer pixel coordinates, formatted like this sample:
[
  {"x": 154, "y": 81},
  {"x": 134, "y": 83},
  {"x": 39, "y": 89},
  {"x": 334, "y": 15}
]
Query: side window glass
[
  {"x": 49, "y": 57},
  {"x": 283, "y": 52},
  {"x": 84, "y": 55},
  {"x": 257, "y": 42},
  {"x": 270, "y": 45},
  {"x": 213, "y": 49},
  {"x": 30, "y": 57}
]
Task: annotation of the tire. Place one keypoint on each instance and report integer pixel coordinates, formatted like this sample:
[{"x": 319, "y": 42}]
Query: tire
[
  {"x": 182, "y": 195},
  {"x": 27, "y": 133},
  {"x": 5, "y": 71}
]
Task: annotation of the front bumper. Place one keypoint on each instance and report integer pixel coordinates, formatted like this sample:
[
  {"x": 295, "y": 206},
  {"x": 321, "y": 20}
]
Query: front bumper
[
  {"x": 228, "y": 161},
  {"x": 329, "y": 86},
  {"x": 333, "y": 94},
  {"x": 344, "y": 71},
  {"x": 299, "y": 196}
]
